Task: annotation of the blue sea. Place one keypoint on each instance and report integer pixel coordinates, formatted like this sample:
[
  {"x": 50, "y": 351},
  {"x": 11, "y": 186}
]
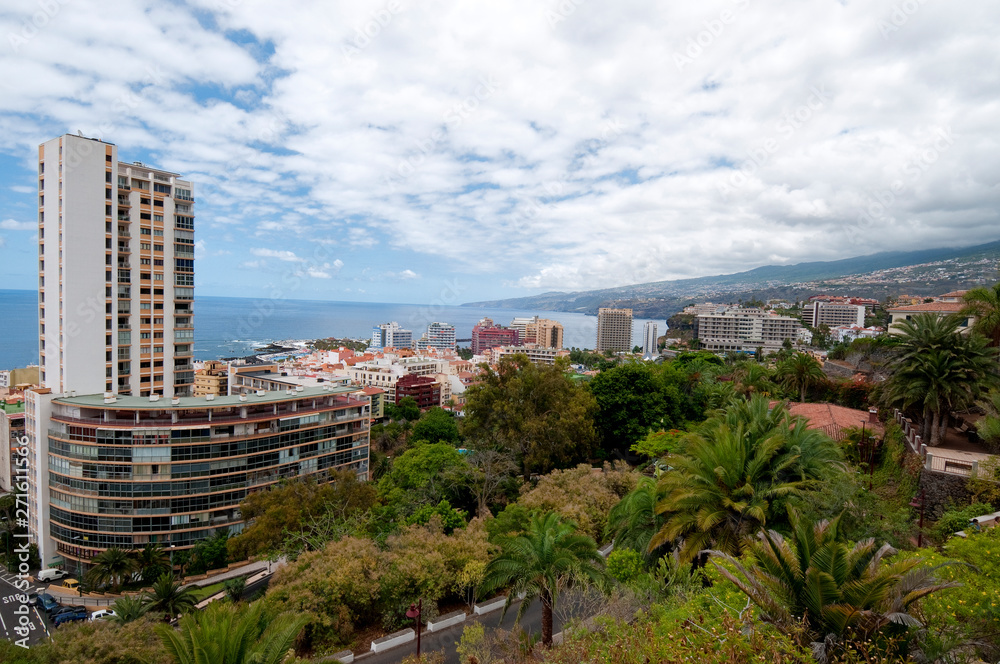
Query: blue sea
[{"x": 234, "y": 326}]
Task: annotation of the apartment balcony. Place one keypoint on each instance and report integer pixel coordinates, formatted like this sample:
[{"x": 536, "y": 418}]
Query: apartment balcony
[
  {"x": 183, "y": 197},
  {"x": 124, "y": 202},
  {"x": 123, "y": 248}
]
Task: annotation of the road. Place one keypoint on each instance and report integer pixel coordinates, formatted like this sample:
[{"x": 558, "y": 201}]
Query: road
[
  {"x": 448, "y": 639},
  {"x": 16, "y": 615}
]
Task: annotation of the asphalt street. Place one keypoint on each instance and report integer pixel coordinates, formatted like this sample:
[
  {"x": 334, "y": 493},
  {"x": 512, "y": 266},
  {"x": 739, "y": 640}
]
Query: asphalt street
[
  {"x": 447, "y": 639},
  {"x": 19, "y": 620}
]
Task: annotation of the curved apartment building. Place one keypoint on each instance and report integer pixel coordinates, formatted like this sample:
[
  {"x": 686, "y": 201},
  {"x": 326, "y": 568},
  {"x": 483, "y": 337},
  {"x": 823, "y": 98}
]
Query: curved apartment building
[{"x": 124, "y": 471}]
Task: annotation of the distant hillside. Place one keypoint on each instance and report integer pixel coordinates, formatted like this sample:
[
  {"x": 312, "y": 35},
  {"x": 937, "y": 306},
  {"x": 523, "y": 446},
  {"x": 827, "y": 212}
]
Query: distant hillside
[{"x": 877, "y": 275}]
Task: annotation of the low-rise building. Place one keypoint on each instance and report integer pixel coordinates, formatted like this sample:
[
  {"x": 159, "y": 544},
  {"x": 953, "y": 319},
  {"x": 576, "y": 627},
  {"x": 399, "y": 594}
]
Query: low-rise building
[
  {"x": 851, "y": 332},
  {"x": 939, "y": 308},
  {"x": 212, "y": 378},
  {"x": 425, "y": 390},
  {"x": 745, "y": 331},
  {"x": 833, "y": 314},
  {"x": 536, "y": 354}
]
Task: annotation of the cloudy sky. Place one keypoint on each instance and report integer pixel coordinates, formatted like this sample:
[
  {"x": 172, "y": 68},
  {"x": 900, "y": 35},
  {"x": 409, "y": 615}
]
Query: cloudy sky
[{"x": 399, "y": 151}]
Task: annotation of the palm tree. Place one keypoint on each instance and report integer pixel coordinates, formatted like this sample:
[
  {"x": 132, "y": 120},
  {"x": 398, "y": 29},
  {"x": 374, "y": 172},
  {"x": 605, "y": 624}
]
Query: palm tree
[
  {"x": 170, "y": 598},
  {"x": 129, "y": 608},
  {"x": 939, "y": 370},
  {"x": 838, "y": 589},
  {"x": 540, "y": 562},
  {"x": 112, "y": 566},
  {"x": 233, "y": 634},
  {"x": 752, "y": 377},
  {"x": 799, "y": 372},
  {"x": 151, "y": 561},
  {"x": 633, "y": 521},
  {"x": 737, "y": 473},
  {"x": 983, "y": 303}
]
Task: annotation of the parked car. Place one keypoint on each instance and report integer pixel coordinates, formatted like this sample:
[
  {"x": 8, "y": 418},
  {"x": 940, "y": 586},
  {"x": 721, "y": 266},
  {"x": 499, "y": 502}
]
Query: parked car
[
  {"x": 103, "y": 614},
  {"x": 78, "y": 613},
  {"x": 53, "y": 574},
  {"x": 47, "y": 602},
  {"x": 65, "y": 609}
]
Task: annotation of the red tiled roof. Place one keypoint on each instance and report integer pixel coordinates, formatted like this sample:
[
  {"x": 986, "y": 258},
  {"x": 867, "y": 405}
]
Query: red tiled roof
[
  {"x": 932, "y": 307},
  {"x": 832, "y": 418},
  {"x": 957, "y": 293}
]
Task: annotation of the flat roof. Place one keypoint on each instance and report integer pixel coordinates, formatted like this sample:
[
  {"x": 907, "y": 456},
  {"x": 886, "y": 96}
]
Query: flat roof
[{"x": 164, "y": 403}]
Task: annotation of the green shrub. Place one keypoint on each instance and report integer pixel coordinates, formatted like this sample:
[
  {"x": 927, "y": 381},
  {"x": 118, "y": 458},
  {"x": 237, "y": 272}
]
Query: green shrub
[{"x": 957, "y": 518}]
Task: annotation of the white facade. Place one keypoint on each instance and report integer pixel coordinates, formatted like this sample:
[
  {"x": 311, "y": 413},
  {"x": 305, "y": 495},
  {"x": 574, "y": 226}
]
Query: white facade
[
  {"x": 37, "y": 409},
  {"x": 440, "y": 335},
  {"x": 116, "y": 272},
  {"x": 745, "y": 331},
  {"x": 650, "y": 347},
  {"x": 390, "y": 335},
  {"x": 536, "y": 354},
  {"x": 833, "y": 314}
]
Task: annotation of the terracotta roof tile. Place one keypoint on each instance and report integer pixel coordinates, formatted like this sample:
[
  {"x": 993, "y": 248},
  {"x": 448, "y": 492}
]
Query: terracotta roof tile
[{"x": 933, "y": 307}]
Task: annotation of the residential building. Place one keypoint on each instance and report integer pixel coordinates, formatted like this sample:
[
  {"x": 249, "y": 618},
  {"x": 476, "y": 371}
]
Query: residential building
[
  {"x": 614, "y": 330},
  {"x": 851, "y": 332},
  {"x": 440, "y": 335},
  {"x": 536, "y": 354},
  {"x": 11, "y": 432},
  {"x": 702, "y": 309},
  {"x": 543, "y": 333},
  {"x": 833, "y": 314},
  {"x": 486, "y": 335},
  {"x": 116, "y": 272},
  {"x": 868, "y": 303},
  {"x": 390, "y": 335},
  {"x": 939, "y": 308},
  {"x": 650, "y": 344},
  {"x": 425, "y": 390},
  {"x": 378, "y": 399},
  {"x": 746, "y": 330},
  {"x": 212, "y": 378},
  {"x": 125, "y": 471}
]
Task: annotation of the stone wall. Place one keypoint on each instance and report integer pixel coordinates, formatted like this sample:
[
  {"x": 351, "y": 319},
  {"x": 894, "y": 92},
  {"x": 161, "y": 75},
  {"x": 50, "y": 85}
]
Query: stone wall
[{"x": 942, "y": 489}]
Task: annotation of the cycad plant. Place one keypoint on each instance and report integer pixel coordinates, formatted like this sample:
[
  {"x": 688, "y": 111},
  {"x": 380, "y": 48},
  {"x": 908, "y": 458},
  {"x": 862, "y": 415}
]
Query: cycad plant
[
  {"x": 233, "y": 634},
  {"x": 736, "y": 473},
  {"x": 838, "y": 591},
  {"x": 169, "y": 598}
]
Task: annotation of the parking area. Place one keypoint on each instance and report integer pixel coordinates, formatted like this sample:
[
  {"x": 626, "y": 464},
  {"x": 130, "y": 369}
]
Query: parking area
[{"x": 19, "y": 620}]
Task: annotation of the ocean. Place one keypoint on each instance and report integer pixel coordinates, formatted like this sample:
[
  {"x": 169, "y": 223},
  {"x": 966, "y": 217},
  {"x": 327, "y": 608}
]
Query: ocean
[{"x": 233, "y": 326}]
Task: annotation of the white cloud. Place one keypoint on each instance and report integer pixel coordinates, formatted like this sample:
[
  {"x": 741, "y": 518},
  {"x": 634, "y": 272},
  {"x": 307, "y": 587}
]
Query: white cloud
[
  {"x": 12, "y": 225},
  {"x": 624, "y": 143},
  {"x": 281, "y": 255},
  {"x": 21, "y": 189}
]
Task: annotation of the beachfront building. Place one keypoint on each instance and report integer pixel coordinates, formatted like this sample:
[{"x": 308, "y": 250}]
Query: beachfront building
[
  {"x": 541, "y": 332},
  {"x": 115, "y": 272},
  {"x": 124, "y": 471},
  {"x": 440, "y": 335},
  {"x": 650, "y": 343},
  {"x": 487, "y": 335},
  {"x": 614, "y": 330},
  {"x": 390, "y": 335}
]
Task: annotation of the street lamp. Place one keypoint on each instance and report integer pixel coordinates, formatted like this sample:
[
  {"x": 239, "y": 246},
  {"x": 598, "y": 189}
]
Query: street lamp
[
  {"x": 414, "y": 612},
  {"x": 172, "y": 547},
  {"x": 920, "y": 502}
]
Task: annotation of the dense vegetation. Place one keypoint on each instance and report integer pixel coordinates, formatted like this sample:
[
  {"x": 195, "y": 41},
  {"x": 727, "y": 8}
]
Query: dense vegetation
[{"x": 739, "y": 534}]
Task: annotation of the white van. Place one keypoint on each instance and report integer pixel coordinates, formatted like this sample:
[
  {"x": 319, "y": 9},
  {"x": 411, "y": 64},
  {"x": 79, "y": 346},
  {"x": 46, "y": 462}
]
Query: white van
[{"x": 50, "y": 575}]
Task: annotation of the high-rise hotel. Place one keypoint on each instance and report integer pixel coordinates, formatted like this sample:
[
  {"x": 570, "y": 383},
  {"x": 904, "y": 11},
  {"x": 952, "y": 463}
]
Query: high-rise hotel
[
  {"x": 115, "y": 272},
  {"x": 120, "y": 453}
]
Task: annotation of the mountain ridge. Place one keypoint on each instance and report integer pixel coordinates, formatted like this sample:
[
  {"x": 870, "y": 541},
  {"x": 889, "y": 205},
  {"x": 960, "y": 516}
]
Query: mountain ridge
[{"x": 965, "y": 266}]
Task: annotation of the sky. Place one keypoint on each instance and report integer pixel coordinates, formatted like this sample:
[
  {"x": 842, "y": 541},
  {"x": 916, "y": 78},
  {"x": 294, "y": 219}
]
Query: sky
[{"x": 396, "y": 151}]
